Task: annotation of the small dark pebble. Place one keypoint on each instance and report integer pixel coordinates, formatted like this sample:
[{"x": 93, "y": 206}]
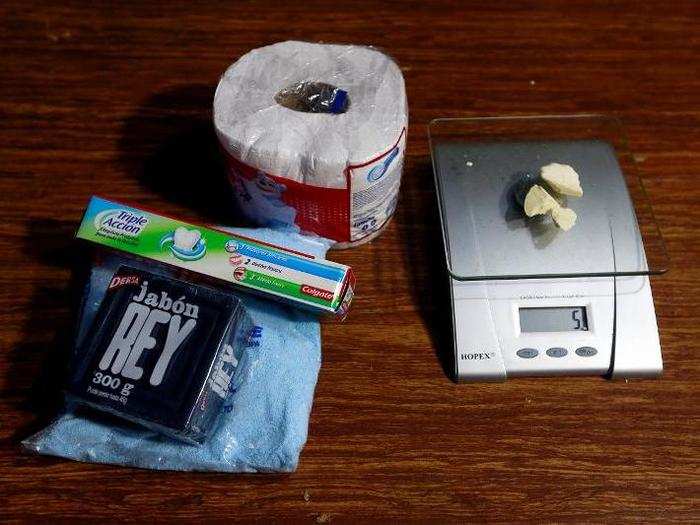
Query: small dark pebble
[{"x": 525, "y": 180}]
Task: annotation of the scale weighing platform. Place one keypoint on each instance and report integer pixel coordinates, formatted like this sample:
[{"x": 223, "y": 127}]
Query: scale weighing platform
[{"x": 528, "y": 298}]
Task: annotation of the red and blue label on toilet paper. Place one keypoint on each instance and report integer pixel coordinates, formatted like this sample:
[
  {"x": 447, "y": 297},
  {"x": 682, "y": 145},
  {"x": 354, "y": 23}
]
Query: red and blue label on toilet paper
[{"x": 346, "y": 215}]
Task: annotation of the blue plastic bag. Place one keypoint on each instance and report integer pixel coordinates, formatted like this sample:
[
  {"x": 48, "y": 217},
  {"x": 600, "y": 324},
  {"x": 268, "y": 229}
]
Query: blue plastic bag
[{"x": 264, "y": 424}]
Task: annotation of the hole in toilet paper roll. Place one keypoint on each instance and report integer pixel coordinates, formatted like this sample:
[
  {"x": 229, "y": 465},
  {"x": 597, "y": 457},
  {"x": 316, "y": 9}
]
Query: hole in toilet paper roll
[{"x": 314, "y": 97}]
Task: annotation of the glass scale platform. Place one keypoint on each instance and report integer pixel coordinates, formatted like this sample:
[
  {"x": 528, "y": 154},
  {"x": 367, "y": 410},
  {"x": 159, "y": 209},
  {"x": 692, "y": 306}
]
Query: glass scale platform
[{"x": 487, "y": 236}]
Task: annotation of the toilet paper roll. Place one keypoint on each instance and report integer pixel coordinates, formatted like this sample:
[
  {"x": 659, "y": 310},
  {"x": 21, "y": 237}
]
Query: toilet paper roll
[{"x": 333, "y": 174}]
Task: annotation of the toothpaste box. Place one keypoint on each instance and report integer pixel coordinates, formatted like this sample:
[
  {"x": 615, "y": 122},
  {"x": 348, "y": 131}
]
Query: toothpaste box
[{"x": 251, "y": 265}]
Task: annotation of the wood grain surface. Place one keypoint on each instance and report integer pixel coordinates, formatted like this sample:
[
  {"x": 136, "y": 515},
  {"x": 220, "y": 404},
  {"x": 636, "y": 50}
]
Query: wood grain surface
[{"x": 114, "y": 99}]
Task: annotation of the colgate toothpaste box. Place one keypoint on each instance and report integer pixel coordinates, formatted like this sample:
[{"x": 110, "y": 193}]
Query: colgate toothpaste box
[{"x": 251, "y": 265}]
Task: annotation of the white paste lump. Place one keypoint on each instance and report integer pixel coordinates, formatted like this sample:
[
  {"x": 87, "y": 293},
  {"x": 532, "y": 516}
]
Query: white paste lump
[
  {"x": 562, "y": 178},
  {"x": 557, "y": 180},
  {"x": 539, "y": 202},
  {"x": 565, "y": 218}
]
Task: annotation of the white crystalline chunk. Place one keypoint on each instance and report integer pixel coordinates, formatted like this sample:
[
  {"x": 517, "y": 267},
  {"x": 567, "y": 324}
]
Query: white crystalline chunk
[
  {"x": 538, "y": 201},
  {"x": 563, "y": 178},
  {"x": 565, "y": 218},
  {"x": 185, "y": 239}
]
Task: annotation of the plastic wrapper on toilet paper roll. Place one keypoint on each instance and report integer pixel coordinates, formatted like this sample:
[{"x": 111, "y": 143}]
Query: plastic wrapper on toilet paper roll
[{"x": 314, "y": 137}]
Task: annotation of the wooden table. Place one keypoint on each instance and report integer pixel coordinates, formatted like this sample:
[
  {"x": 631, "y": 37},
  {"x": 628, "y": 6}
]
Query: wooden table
[{"x": 116, "y": 101}]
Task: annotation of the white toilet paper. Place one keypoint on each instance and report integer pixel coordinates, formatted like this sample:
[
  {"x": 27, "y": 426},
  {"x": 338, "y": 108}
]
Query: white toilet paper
[{"x": 337, "y": 175}]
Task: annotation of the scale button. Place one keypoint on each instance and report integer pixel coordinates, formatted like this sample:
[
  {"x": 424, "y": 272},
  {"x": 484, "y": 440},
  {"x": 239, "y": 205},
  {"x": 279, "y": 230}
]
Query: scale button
[
  {"x": 527, "y": 353},
  {"x": 586, "y": 351},
  {"x": 557, "y": 351}
]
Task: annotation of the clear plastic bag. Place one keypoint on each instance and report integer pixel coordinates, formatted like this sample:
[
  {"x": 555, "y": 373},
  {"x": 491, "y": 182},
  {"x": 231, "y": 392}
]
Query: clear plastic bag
[{"x": 314, "y": 97}]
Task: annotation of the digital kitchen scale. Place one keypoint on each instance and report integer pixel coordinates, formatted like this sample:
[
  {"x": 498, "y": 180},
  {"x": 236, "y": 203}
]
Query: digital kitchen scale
[{"x": 531, "y": 299}]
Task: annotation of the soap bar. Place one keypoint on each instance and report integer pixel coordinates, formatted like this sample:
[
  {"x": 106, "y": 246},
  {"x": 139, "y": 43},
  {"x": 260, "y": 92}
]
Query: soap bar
[
  {"x": 161, "y": 352},
  {"x": 562, "y": 178}
]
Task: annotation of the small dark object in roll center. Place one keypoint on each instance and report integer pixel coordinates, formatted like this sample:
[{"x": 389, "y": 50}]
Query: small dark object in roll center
[{"x": 314, "y": 97}]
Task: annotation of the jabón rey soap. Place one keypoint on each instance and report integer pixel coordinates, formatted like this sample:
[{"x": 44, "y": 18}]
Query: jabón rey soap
[{"x": 161, "y": 352}]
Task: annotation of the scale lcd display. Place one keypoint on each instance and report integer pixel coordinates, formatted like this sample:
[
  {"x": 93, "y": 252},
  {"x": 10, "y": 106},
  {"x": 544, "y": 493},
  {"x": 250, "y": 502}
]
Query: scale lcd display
[{"x": 554, "y": 319}]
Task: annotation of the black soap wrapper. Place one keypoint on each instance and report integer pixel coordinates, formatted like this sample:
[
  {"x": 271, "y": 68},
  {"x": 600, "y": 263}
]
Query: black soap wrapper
[{"x": 161, "y": 352}]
